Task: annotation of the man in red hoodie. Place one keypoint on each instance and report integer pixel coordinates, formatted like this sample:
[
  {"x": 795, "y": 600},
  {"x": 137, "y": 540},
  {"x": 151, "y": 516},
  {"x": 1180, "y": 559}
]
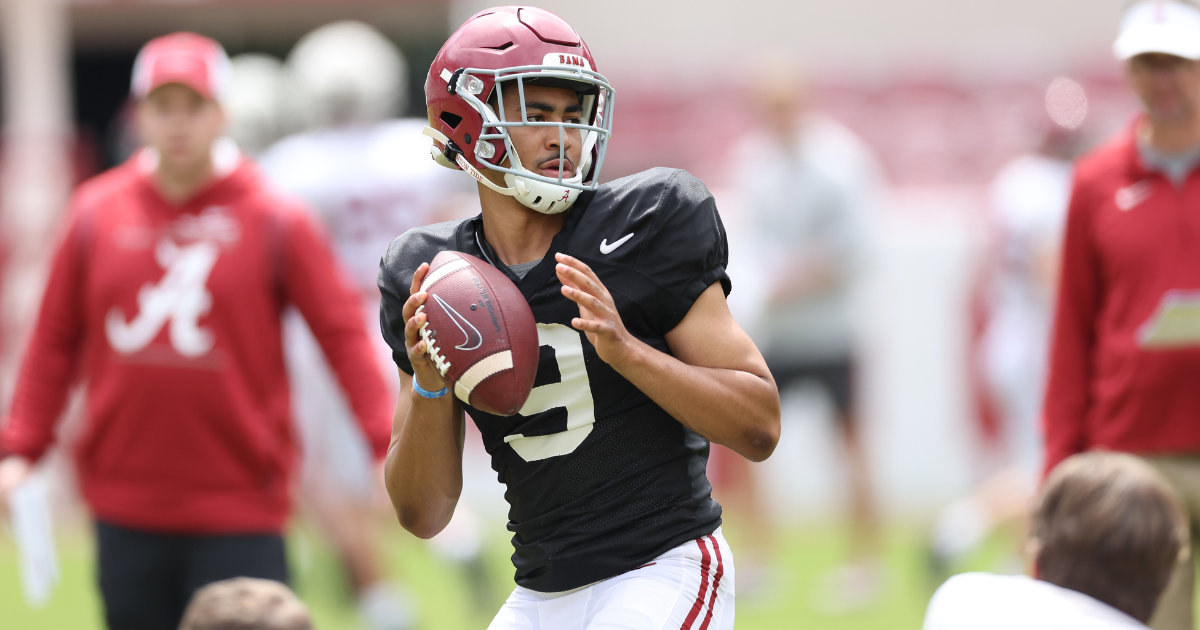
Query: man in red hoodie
[
  {"x": 165, "y": 295},
  {"x": 1125, "y": 364}
]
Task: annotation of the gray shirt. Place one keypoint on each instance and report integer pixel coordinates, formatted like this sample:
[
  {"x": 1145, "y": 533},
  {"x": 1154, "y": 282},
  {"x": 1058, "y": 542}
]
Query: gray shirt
[
  {"x": 1175, "y": 166},
  {"x": 808, "y": 202},
  {"x": 523, "y": 268}
]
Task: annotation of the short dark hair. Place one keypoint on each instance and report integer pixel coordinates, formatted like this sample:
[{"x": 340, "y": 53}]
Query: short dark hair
[
  {"x": 245, "y": 604},
  {"x": 1109, "y": 526}
]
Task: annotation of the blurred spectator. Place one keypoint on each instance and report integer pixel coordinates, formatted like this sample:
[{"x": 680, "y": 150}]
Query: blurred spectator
[
  {"x": 1126, "y": 346},
  {"x": 245, "y": 604},
  {"x": 370, "y": 178},
  {"x": 1107, "y": 533},
  {"x": 1027, "y": 208},
  {"x": 165, "y": 295},
  {"x": 806, "y": 183}
]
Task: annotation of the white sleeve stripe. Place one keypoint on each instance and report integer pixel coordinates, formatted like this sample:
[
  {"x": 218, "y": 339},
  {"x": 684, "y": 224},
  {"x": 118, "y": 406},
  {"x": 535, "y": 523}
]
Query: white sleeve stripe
[{"x": 476, "y": 373}]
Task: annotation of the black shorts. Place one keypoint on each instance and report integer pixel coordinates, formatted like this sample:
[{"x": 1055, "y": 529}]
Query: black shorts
[
  {"x": 147, "y": 579},
  {"x": 835, "y": 376}
]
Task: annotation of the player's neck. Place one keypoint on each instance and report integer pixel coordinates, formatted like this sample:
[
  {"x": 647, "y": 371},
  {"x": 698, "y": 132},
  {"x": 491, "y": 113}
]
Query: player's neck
[
  {"x": 516, "y": 233},
  {"x": 1176, "y": 136},
  {"x": 177, "y": 184}
]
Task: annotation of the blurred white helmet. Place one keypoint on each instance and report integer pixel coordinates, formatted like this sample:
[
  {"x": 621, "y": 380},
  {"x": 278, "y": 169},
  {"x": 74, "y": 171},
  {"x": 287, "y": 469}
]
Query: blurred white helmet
[
  {"x": 256, "y": 101},
  {"x": 347, "y": 72}
]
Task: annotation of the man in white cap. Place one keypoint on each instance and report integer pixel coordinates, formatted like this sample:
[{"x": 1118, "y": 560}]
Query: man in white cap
[{"x": 1126, "y": 341}]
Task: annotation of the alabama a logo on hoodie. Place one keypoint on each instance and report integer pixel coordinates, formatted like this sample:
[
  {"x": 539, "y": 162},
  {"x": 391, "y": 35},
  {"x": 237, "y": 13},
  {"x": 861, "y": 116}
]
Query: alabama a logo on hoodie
[{"x": 181, "y": 297}]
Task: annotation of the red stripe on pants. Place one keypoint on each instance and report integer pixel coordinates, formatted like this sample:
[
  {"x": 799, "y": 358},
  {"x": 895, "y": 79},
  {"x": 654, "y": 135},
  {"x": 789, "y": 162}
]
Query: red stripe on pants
[
  {"x": 716, "y": 582},
  {"x": 699, "y": 604}
]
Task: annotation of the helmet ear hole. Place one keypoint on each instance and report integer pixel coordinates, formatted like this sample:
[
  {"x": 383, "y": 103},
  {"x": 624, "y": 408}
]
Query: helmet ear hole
[{"x": 450, "y": 119}]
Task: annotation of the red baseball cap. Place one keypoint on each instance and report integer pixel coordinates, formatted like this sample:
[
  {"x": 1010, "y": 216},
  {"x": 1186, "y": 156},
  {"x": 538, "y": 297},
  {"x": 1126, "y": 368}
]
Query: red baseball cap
[{"x": 185, "y": 58}]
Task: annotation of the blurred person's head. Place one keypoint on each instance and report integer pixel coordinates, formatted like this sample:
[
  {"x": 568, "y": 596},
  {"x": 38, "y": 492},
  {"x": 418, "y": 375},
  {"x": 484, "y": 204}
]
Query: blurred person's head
[
  {"x": 256, "y": 101},
  {"x": 781, "y": 96},
  {"x": 347, "y": 73},
  {"x": 245, "y": 604},
  {"x": 179, "y": 81},
  {"x": 1109, "y": 526},
  {"x": 1168, "y": 86},
  {"x": 1159, "y": 42},
  {"x": 1066, "y": 104}
]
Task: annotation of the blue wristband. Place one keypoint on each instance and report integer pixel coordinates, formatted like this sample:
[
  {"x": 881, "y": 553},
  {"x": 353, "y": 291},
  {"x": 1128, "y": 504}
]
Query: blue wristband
[{"x": 424, "y": 393}]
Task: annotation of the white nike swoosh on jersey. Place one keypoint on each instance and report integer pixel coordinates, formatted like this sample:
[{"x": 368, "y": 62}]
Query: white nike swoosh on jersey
[
  {"x": 1129, "y": 197},
  {"x": 605, "y": 248}
]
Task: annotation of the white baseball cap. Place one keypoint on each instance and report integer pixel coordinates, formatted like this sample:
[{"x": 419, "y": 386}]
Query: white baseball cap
[{"x": 1159, "y": 26}]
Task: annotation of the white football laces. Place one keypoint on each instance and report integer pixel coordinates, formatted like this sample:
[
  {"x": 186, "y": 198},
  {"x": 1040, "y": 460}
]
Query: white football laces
[{"x": 435, "y": 353}]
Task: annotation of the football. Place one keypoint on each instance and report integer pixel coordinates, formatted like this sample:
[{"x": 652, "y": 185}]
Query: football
[{"x": 479, "y": 333}]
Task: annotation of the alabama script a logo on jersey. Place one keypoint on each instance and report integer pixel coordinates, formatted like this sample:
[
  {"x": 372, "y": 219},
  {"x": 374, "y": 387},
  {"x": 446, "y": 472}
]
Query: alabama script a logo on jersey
[{"x": 181, "y": 297}]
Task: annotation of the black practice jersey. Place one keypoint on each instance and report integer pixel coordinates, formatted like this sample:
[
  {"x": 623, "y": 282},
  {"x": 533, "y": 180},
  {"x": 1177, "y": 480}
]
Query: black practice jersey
[{"x": 600, "y": 479}]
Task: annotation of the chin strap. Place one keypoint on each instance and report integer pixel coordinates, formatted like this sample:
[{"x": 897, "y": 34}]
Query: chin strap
[{"x": 461, "y": 161}]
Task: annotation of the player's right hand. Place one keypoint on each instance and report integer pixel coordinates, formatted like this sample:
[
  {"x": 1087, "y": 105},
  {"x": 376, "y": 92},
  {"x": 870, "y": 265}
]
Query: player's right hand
[{"x": 424, "y": 373}]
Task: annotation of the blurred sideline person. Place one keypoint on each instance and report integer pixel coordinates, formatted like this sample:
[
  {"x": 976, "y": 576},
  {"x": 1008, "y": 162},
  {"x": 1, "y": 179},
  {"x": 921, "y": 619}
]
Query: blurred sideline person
[
  {"x": 165, "y": 296},
  {"x": 368, "y": 176},
  {"x": 258, "y": 102},
  {"x": 807, "y": 184},
  {"x": 1126, "y": 341},
  {"x": 1027, "y": 209},
  {"x": 641, "y": 363},
  {"x": 1107, "y": 532},
  {"x": 245, "y": 604}
]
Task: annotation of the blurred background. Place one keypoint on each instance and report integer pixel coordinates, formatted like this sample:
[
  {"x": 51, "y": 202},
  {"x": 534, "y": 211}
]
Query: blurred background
[{"x": 936, "y": 98}]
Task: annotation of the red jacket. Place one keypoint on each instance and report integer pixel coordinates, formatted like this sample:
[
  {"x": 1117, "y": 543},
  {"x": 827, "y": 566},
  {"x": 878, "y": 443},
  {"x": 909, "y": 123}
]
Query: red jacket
[
  {"x": 172, "y": 316},
  {"x": 1125, "y": 362}
]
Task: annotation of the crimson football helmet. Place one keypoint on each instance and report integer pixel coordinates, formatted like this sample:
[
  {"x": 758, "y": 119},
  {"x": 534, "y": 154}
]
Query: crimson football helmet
[{"x": 521, "y": 46}]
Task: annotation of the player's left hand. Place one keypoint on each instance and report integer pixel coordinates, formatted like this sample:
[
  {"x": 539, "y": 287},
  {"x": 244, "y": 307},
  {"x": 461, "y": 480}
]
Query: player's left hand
[{"x": 598, "y": 316}]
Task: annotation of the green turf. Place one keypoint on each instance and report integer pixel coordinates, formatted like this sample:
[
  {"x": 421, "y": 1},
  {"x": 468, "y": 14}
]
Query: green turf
[
  {"x": 75, "y": 604},
  {"x": 806, "y": 553}
]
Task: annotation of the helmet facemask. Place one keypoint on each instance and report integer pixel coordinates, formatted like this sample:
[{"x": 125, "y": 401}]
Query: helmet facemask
[{"x": 548, "y": 195}]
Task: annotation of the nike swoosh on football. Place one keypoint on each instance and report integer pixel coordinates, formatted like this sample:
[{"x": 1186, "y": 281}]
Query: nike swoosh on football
[
  {"x": 473, "y": 338},
  {"x": 605, "y": 248}
]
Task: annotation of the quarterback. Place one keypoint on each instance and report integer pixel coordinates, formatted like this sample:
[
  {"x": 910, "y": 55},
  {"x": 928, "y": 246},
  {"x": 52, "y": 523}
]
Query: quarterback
[{"x": 641, "y": 364}]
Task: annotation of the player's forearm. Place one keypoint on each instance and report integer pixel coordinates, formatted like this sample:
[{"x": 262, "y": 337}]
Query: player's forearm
[
  {"x": 733, "y": 408},
  {"x": 423, "y": 471}
]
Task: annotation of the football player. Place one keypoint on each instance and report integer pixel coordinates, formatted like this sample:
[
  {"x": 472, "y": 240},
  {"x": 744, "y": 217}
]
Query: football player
[{"x": 641, "y": 363}]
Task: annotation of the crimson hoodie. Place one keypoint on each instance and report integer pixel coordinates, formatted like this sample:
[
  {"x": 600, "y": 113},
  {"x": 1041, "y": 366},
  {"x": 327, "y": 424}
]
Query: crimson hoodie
[
  {"x": 1125, "y": 361},
  {"x": 171, "y": 313}
]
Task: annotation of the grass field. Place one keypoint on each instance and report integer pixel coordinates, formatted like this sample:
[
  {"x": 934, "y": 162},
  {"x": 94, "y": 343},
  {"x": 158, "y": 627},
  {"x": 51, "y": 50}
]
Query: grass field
[{"x": 806, "y": 553}]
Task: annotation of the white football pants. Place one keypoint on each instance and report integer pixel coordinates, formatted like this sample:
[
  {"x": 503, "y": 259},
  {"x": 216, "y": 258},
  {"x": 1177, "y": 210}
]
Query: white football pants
[{"x": 687, "y": 588}]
